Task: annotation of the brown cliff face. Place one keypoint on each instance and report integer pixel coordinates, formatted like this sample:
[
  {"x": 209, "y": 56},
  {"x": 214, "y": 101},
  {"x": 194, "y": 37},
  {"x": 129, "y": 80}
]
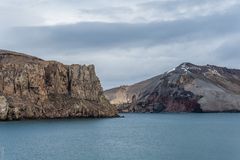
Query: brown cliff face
[{"x": 32, "y": 88}]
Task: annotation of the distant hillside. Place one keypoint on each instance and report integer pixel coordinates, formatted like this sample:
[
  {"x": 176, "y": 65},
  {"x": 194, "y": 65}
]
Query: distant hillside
[{"x": 186, "y": 88}]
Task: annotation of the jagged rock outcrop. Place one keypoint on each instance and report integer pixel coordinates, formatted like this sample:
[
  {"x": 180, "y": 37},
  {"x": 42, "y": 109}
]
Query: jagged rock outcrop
[
  {"x": 186, "y": 88},
  {"x": 35, "y": 88}
]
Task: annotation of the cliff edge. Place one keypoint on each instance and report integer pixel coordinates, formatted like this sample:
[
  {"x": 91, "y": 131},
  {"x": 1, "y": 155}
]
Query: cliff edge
[{"x": 31, "y": 88}]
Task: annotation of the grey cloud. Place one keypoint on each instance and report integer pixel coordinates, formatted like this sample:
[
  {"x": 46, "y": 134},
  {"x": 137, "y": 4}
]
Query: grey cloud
[
  {"x": 174, "y": 4},
  {"x": 184, "y": 9},
  {"x": 99, "y": 35},
  {"x": 230, "y": 50},
  {"x": 113, "y": 13}
]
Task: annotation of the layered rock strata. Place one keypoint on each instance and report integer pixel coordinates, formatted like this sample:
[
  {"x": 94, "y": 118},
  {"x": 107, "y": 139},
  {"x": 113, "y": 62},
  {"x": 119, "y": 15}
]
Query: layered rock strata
[{"x": 31, "y": 88}]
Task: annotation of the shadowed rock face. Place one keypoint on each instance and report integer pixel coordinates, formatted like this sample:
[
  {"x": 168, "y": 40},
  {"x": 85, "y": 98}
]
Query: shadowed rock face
[
  {"x": 34, "y": 88},
  {"x": 186, "y": 88}
]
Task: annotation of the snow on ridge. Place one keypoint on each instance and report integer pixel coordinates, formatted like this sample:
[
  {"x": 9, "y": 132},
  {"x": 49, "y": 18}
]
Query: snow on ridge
[
  {"x": 171, "y": 70},
  {"x": 184, "y": 67}
]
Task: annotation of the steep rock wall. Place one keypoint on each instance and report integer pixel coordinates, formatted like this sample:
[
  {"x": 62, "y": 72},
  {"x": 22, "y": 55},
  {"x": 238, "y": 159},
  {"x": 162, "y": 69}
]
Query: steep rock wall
[{"x": 35, "y": 88}]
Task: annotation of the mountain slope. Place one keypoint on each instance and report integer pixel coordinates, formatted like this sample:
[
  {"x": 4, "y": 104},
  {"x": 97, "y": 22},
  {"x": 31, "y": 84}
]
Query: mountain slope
[
  {"x": 186, "y": 88},
  {"x": 31, "y": 88}
]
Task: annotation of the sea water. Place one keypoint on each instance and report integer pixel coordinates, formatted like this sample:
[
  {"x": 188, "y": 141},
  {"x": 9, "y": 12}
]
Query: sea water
[{"x": 184, "y": 136}]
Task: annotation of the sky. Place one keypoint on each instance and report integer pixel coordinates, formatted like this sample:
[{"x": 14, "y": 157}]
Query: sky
[{"x": 127, "y": 40}]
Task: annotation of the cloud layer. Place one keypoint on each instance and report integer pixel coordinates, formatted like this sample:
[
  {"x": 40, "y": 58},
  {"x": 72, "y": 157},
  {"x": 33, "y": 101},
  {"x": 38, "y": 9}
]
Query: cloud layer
[{"x": 128, "y": 41}]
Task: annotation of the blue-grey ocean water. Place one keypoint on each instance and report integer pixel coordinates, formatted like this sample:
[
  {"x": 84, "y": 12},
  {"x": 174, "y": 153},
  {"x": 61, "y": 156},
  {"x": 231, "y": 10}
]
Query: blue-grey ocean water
[{"x": 135, "y": 137}]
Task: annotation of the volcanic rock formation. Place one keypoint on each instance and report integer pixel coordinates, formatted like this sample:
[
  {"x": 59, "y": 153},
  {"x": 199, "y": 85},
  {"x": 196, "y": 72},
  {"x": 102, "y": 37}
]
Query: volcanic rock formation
[
  {"x": 186, "y": 88},
  {"x": 31, "y": 88}
]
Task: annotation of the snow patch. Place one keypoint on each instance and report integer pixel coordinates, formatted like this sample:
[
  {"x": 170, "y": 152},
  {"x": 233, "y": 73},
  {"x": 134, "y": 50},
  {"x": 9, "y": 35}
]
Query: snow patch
[
  {"x": 184, "y": 67},
  {"x": 187, "y": 68},
  {"x": 171, "y": 70}
]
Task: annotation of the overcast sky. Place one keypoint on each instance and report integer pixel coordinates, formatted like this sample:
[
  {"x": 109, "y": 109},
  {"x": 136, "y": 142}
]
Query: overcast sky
[{"x": 127, "y": 40}]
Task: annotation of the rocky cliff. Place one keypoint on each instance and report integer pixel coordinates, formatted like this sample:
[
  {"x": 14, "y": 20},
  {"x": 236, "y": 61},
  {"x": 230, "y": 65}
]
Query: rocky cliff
[
  {"x": 31, "y": 88},
  {"x": 186, "y": 88}
]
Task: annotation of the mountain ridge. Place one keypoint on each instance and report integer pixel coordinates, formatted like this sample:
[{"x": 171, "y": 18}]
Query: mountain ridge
[{"x": 165, "y": 92}]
